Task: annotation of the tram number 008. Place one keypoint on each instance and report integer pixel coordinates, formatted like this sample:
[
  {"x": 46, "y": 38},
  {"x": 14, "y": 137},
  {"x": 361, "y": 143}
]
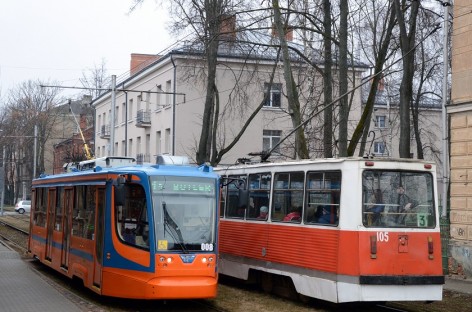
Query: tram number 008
[{"x": 382, "y": 236}]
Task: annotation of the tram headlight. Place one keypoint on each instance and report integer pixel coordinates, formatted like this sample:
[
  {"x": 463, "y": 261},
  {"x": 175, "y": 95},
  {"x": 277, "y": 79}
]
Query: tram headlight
[
  {"x": 204, "y": 260},
  {"x": 165, "y": 260}
]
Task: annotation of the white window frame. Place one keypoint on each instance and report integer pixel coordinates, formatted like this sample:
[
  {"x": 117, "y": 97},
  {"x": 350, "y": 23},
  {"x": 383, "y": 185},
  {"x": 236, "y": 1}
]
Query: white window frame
[
  {"x": 270, "y": 138},
  {"x": 380, "y": 148},
  {"x": 275, "y": 95},
  {"x": 380, "y": 121}
]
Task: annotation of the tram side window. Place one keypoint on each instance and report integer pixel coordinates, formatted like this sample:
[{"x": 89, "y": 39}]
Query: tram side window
[
  {"x": 288, "y": 197},
  {"x": 259, "y": 190},
  {"x": 223, "y": 194},
  {"x": 83, "y": 221},
  {"x": 235, "y": 206},
  {"x": 40, "y": 207},
  {"x": 323, "y": 197},
  {"x": 131, "y": 218}
]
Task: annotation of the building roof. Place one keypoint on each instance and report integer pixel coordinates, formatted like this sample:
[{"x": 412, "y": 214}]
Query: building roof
[{"x": 248, "y": 45}]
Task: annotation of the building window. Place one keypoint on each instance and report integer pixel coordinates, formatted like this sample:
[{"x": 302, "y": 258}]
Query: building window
[
  {"x": 270, "y": 138},
  {"x": 139, "y": 100},
  {"x": 158, "y": 143},
  {"x": 379, "y": 148},
  {"x": 130, "y": 147},
  {"x": 380, "y": 121},
  {"x": 274, "y": 96},
  {"x": 167, "y": 141},
  {"x": 130, "y": 109},
  {"x": 123, "y": 112},
  {"x": 123, "y": 147},
  {"x": 158, "y": 97},
  {"x": 168, "y": 92},
  {"x": 138, "y": 145},
  {"x": 117, "y": 112}
]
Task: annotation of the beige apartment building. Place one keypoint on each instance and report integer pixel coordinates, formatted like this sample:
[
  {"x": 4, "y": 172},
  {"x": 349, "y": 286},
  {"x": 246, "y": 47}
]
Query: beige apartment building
[
  {"x": 158, "y": 108},
  {"x": 460, "y": 114}
]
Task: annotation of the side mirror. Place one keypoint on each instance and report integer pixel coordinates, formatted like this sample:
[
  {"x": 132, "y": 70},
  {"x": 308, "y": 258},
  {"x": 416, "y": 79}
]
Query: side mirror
[{"x": 120, "y": 193}]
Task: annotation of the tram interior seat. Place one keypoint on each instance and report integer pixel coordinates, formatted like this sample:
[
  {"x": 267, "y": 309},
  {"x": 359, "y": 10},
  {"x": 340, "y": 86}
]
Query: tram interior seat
[{"x": 294, "y": 215}]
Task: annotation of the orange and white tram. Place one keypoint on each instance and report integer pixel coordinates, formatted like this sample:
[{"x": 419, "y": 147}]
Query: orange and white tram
[
  {"x": 133, "y": 231},
  {"x": 340, "y": 230}
]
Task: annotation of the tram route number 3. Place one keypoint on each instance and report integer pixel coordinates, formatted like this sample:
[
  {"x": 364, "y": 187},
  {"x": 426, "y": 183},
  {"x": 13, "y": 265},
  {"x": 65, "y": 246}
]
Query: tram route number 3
[{"x": 382, "y": 236}]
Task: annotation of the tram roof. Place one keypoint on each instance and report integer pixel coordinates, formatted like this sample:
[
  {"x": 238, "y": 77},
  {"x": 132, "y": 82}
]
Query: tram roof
[
  {"x": 149, "y": 169},
  {"x": 290, "y": 163}
]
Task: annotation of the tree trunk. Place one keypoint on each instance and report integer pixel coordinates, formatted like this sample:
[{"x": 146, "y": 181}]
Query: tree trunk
[
  {"x": 213, "y": 10},
  {"x": 327, "y": 83},
  {"x": 363, "y": 126},
  {"x": 407, "y": 44},
  {"x": 301, "y": 147},
  {"x": 343, "y": 103}
]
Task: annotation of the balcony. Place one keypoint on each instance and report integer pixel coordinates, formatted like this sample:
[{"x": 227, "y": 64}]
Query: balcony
[
  {"x": 105, "y": 132},
  {"x": 143, "y": 119},
  {"x": 143, "y": 158}
]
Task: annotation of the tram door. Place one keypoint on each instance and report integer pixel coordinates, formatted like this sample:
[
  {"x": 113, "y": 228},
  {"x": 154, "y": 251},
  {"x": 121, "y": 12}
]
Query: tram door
[
  {"x": 67, "y": 215},
  {"x": 99, "y": 230},
  {"x": 51, "y": 210}
]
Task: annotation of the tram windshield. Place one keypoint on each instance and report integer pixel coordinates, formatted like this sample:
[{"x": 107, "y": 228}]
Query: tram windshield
[
  {"x": 398, "y": 199},
  {"x": 185, "y": 213}
]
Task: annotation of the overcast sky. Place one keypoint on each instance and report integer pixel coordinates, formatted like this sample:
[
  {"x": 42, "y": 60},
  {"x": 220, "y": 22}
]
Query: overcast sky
[{"x": 57, "y": 40}]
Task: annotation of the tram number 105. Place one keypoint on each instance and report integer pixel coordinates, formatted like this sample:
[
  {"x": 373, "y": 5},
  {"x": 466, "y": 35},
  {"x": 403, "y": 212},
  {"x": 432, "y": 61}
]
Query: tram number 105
[{"x": 382, "y": 236}]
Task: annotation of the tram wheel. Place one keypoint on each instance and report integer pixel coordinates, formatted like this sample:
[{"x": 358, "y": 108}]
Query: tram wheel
[
  {"x": 266, "y": 282},
  {"x": 304, "y": 299}
]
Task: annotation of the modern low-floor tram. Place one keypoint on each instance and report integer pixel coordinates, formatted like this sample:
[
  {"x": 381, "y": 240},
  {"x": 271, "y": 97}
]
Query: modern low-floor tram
[{"x": 135, "y": 231}]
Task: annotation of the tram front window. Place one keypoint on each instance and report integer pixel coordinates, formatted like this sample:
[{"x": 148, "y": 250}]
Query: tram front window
[
  {"x": 185, "y": 213},
  {"x": 398, "y": 199}
]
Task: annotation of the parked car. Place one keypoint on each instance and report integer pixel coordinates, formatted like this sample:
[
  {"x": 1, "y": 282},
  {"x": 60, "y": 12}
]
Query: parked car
[{"x": 23, "y": 206}]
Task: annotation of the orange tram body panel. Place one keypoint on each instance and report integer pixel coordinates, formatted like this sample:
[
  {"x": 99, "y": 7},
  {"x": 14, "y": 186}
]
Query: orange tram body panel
[
  {"x": 131, "y": 231},
  {"x": 359, "y": 230}
]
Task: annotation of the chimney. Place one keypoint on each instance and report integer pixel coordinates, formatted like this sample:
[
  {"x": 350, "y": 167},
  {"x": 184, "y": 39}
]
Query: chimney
[
  {"x": 288, "y": 33},
  {"x": 139, "y": 61},
  {"x": 228, "y": 27}
]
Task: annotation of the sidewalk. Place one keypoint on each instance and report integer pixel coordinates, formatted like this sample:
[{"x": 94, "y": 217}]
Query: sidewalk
[
  {"x": 21, "y": 289},
  {"x": 458, "y": 285}
]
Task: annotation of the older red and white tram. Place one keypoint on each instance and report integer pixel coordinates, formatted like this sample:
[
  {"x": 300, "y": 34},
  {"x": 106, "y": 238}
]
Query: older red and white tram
[{"x": 340, "y": 230}]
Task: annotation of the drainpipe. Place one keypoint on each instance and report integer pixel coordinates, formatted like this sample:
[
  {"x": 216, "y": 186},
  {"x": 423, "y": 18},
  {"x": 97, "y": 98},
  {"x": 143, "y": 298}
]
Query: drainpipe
[
  {"x": 445, "y": 153},
  {"x": 173, "y": 105},
  {"x": 126, "y": 121}
]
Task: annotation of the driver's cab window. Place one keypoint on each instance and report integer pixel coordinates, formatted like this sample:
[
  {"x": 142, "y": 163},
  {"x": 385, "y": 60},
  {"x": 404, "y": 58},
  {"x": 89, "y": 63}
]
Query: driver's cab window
[{"x": 131, "y": 216}]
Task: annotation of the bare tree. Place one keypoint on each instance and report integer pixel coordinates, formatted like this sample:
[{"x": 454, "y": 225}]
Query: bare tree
[
  {"x": 95, "y": 79},
  {"x": 376, "y": 46},
  {"x": 427, "y": 71},
  {"x": 343, "y": 77},
  {"x": 301, "y": 148},
  {"x": 327, "y": 81},
  {"x": 403, "y": 13},
  {"x": 28, "y": 106}
]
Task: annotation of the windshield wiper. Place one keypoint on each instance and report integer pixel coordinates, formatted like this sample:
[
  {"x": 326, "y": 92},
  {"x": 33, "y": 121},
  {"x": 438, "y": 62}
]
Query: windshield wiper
[{"x": 171, "y": 223}]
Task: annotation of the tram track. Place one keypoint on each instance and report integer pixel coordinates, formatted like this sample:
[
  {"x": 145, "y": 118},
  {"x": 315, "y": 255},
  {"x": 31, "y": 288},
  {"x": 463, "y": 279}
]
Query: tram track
[
  {"x": 14, "y": 236},
  {"x": 231, "y": 298}
]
